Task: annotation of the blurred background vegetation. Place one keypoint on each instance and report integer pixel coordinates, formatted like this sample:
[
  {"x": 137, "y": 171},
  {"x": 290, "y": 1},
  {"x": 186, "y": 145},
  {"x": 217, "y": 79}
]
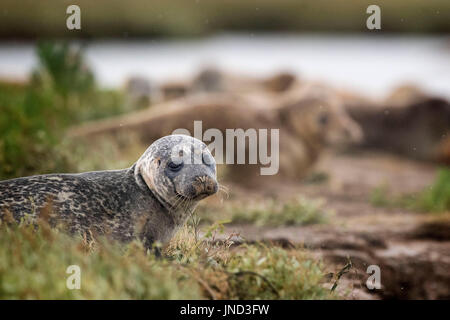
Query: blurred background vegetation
[
  {"x": 61, "y": 92},
  {"x": 143, "y": 18}
]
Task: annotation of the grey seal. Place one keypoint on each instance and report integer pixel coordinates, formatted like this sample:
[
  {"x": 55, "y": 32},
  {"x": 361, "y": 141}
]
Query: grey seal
[{"x": 149, "y": 200}]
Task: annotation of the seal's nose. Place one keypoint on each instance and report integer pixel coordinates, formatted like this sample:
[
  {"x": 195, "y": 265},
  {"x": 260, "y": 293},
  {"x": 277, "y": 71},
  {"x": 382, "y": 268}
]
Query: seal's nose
[{"x": 205, "y": 185}]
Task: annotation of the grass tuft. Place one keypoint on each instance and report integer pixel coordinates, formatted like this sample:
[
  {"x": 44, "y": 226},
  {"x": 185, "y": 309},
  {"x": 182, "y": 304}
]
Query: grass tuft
[
  {"x": 298, "y": 211},
  {"x": 33, "y": 266},
  {"x": 435, "y": 198}
]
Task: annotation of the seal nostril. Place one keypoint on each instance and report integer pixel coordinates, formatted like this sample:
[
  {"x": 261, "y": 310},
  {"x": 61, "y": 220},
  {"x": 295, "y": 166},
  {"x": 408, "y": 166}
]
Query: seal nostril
[{"x": 205, "y": 185}]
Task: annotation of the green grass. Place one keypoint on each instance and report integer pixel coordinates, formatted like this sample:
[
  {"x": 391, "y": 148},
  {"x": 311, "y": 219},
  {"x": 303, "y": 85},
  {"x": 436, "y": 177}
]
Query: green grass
[
  {"x": 379, "y": 197},
  {"x": 28, "y": 129},
  {"x": 34, "y": 116},
  {"x": 33, "y": 266},
  {"x": 435, "y": 198},
  {"x": 298, "y": 211}
]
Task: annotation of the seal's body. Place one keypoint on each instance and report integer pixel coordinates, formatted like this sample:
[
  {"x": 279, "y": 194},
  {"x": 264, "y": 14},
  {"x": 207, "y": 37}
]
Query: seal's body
[{"x": 149, "y": 200}]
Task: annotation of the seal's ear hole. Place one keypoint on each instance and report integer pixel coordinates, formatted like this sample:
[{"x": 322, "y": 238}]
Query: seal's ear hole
[{"x": 158, "y": 162}]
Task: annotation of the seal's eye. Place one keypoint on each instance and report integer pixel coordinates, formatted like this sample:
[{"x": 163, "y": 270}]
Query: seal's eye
[
  {"x": 207, "y": 159},
  {"x": 175, "y": 166}
]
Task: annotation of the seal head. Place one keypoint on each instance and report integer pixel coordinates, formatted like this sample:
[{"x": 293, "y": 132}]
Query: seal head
[{"x": 179, "y": 170}]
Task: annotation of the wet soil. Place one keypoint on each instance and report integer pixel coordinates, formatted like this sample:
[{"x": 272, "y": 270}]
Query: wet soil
[{"x": 412, "y": 249}]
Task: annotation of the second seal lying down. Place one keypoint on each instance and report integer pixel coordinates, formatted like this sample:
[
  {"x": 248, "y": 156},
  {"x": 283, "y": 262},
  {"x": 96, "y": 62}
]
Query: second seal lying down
[{"x": 149, "y": 200}]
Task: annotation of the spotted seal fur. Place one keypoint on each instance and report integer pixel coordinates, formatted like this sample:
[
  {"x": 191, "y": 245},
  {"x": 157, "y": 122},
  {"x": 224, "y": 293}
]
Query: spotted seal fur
[{"x": 149, "y": 200}]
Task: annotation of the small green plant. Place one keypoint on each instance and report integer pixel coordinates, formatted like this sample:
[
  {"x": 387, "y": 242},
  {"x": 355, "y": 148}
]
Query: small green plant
[
  {"x": 379, "y": 197},
  {"x": 62, "y": 67},
  {"x": 62, "y": 70},
  {"x": 298, "y": 211},
  {"x": 435, "y": 198},
  {"x": 316, "y": 178},
  {"x": 273, "y": 273}
]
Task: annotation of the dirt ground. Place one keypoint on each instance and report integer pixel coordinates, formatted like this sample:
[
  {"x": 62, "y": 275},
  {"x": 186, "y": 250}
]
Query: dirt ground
[{"x": 412, "y": 249}]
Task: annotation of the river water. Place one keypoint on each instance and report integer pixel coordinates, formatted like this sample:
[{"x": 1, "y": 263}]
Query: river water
[{"x": 371, "y": 65}]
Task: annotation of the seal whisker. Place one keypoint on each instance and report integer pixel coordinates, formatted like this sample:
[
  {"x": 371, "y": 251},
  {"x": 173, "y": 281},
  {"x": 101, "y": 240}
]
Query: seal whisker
[
  {"x": 187, "y": 206},
  {"x": 180, "y": 203},
  {"x": 177, "y": 199},
  {"x": 224, "y": 190},
  {"x": 221, "y": 186}
]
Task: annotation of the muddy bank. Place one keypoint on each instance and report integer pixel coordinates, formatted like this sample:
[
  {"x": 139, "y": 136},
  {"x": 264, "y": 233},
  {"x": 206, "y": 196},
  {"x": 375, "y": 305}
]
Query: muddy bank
[
  {"x": 412, "y": 249},
  {"x": 414, "y": 259}
]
